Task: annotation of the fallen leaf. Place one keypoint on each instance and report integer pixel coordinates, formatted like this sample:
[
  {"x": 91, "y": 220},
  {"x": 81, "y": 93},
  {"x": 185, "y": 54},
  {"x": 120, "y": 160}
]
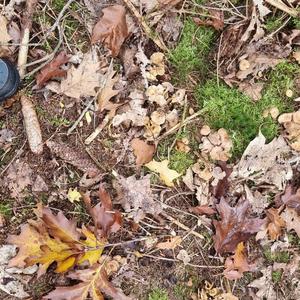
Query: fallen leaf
[
  {"x": 94, "y": 281},
  {"x": 275, "y": 223},
  {"x": 226, "y": 296},
  {"x": 237, "y": 264},
  {"x": 4, "y": 37},
  {"x": 73, "y": 157},
  {"x": 18, "y": 177},
  {"x": 81, "y": 81},
  {"x": 39, "y": 185},
  {"x": 52, "y": 69},
  {"x": 253, "y": 90},
  {"x": 143, "y": 151},
  {"x": 265, "y": 163},
  {"x": 12, "y": 280},
  {"x": 215, "y": 19},
  {"x": 74, "y": 195},
  {"x": 166, "y": 175},
  {"x": 234, "y": 226},
  {"x": 112, "y": 28},
  {"x": 264, "y": 285},
  {"x": 128, "y": 60},
  {"x": 289, "y": 198},
  {"x": 168, "y": 3},
  {"x": 136, "y": 197},
  {"x": 203, "y": 210},
  {"x": 171, "y": 244},
  {"x": 106, "y": 220},
  {"x": 6, "y": 138},
  {"x": 183, "y": 256},
  {"x": 292, "y": 220},
  {"x": 263, "y": 10}
]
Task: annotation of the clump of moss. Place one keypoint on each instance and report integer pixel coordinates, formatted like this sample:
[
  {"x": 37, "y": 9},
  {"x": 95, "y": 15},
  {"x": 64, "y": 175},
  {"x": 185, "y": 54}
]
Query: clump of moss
[
  {"x": 158, "y": 294},
  {"x": 276, "y": 276},
  {"x": 190, "y": 55},
  {"x": 181, "y": 161},
  {"x": 273, "y": 23},
  {"x": 5, "y": 209},
  {"x": 228, "y": 108}
]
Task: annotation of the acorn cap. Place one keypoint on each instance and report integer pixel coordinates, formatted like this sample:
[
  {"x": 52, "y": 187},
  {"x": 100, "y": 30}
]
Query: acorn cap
[{"x": 9, "y": 79}]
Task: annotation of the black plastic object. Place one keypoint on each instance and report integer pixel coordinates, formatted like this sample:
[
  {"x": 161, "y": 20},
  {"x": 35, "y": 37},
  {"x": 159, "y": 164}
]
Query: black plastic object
[{"x": 9, "y": 79}]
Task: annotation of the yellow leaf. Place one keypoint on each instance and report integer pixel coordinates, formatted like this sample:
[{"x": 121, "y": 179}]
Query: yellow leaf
[
  {"x": 166, "y": 175},
  {"x": 74, "y": 195},
  {"x": 65, "y": 265},
  {"x": 88, "y": 117}
]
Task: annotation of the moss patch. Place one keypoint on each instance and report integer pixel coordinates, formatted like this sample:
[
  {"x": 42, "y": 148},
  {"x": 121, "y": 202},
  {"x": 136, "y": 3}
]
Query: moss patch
[
  {"x": 279, "y": 257},
  {"x": 158, "y": 294},
  {"x": 276, "y": 276},
  {"x": 230, "y": 109},
  {"x": 190, "y": 55}
]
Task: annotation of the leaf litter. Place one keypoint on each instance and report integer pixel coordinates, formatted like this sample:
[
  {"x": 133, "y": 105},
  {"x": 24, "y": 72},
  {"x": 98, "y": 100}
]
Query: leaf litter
[{"x": 231, "y": 200}]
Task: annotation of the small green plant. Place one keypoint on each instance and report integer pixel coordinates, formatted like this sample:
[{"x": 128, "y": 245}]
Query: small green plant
[
  {"x": 158, "y": 294},
  {"x": 279, "y": 257},
  {"x": 273, "y": 23},
  {"x": 190, "y": 55},
  {"x": 5, "y": 209},
  {"x": 276, "y": 276},
  {"x": 181, "y": 292}
]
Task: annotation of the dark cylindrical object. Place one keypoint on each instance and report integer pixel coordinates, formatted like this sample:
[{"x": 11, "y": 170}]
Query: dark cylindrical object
[{"x": 9, "y": 79}]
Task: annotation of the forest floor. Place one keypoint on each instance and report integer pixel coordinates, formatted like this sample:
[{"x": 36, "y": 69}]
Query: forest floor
[{"x": 168, "y": 166}]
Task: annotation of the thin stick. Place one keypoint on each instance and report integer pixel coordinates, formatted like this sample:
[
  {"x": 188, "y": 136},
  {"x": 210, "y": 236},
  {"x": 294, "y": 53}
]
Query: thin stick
[
  {"x": 182, "y": 226},
  {"x": 280, "y": 5},
  {"x": 148, "y": 31}
]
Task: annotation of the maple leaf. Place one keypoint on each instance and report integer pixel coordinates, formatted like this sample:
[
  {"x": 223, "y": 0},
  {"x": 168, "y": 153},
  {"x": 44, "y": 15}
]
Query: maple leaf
[
  {"x": 234, "y": 227},
  {"x": 105, "y": 219},
  {"x": 143, "y": 151},
  {"x": 237, "y": 264},
  {"x": 166, "y": 175},
  {"x": 52, "y": 69},
  {"x": 93, "y": 281},
  {"x": 112, "y": 28}
]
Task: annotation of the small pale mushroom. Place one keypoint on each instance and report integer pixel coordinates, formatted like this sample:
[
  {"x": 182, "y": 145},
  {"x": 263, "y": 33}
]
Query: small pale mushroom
[{"x": 158, "y": 117}]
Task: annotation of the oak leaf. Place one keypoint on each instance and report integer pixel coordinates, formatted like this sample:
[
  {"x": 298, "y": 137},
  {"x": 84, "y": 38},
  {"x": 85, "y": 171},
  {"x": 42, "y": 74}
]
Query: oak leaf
[
  {"x": 112, "y": 28},
  {"x": 234, "y": 226},
  {"x": 94, "y": 281},
  {"x": 52, "y": 69},
  {"x": 237, "y": 264},
  {"x": 165, "y": 173},
  {"x": 143, "y": 151}
]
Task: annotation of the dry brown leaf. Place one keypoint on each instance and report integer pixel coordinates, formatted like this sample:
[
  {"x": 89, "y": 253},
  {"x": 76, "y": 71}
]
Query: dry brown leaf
[
  {"x": 112, "y": 28},
  {"x": 203, "y": 210},
  {"x": 289, "y": 198},
  {"x": 292, "y": 220},
  {"x": 4, "y": 37},
  {"x": 74, "y": 157},
  {"x": 52, "y": 69},
  {"x": 136, "y": 197},
  {"x": 253, "y": 90},
  {"x": 275, "y": 223},
  {"x": 81, "y": 81},
  {"x": 168, "y": 3},
  {"x": 143, "y": 151},
  {"x": 237, "y": 264},
  {"x": 18, "y": 177},
  {"x": 171, "y": 244},
  {"x": 234, "y": 226},
  {"x": 215, "y": 20}
]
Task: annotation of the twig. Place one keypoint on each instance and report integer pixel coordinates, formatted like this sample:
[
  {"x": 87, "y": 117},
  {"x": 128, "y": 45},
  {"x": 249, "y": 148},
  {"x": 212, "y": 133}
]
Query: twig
[
  {"x": 182, "y": 226},
  {"x": 280, "y": 5},
  {"x": 148, "y": 31}
]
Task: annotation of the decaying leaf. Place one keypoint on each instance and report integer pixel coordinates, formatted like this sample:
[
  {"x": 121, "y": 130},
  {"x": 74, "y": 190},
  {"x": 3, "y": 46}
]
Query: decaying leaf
[
  {"x": 289, "y": 198},
  {"x": 264, "y": 285},
  {"x": 81, "y": 81},
  {"x": 171, "y": 244},
  {"x": 19, "y": 176},
  {"x": 94, "y": 281},
  {"x": 234, "y": 227},
  {"x": 4, "y": 36},
  {"x": 6, "y": 138},
  {"x": 54, "y": 238},
  {"x": 265, "y": 163},
  {"x": 73, "y": 157},
  {"x": 292, "y": 220},
  {"x": 52, "y": 69},
  {"x": 215, "y": 20},
  {"x": 203, "y": 210},
  {"x": 136, "y": 197},
  {"x": 237, "y": 264},
  {"x": 275, "y": 223},
  {"x": 143, "y": 151},
  {"x": 112, "y": 28},
  {"x": 183, "y": 256},
  {"x": 105, "y": 219},
  {"x": 166, "y": 175}
]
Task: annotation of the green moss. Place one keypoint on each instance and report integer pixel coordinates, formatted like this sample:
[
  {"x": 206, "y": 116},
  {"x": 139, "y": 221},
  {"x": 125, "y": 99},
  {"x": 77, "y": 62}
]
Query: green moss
[
  {"x": 158, "y": 294},
  {"x": 181, "y": 161},
  {"x": 276, "y": 276},
  {"x": 279, "y": 257},
  {"x": 228, "y": 108},
  {"x": 296, "y": 23},
  {"x": 190, "y": 55},
  {"x": 6, "y": 209},
  {"x": 273, "y": 23}
]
